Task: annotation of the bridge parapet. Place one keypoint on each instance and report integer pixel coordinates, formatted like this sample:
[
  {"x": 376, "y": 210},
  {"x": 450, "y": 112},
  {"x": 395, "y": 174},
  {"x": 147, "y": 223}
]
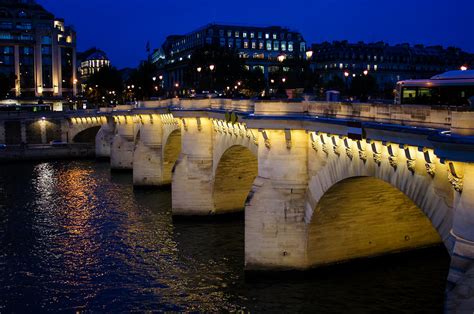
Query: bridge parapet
[{"x": 387, "y": 113}]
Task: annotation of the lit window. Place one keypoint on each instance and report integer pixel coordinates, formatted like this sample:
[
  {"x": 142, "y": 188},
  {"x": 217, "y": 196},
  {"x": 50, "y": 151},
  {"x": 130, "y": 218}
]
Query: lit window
[
  {"x": 274, "y": 36},
  {"x": 260, "y": 45},
  {"x": 246, "y": 44},
  {"x": 283, "y": 45},
  {"x": 252, "y": 35},
  {"x": 269, "y": 45},
  {"x": 290, "y": 46},
  {"x": 376, "y": 67},
  {"x": 267, "y": 36},
  {"x": 254, "y": 45},
  {"x": 341, "y": 66},
  {"x": 244, "y": 35},
  {"x": 237, "y": 34},
  {"x": 229, "y": 34},
  {"x": 276, "y": 45}
]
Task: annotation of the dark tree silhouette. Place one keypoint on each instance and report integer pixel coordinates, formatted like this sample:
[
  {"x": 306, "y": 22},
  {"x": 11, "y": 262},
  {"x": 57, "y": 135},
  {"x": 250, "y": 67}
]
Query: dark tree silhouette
[{"x": 104, "y": 88}]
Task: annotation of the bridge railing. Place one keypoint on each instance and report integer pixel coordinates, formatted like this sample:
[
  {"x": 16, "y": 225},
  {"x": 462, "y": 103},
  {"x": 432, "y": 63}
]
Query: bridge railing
[{"x": 418, "y": 115}]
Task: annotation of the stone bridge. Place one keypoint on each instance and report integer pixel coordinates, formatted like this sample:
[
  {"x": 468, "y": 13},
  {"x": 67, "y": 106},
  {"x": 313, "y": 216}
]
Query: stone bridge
[{"x": 320, "y": 183}]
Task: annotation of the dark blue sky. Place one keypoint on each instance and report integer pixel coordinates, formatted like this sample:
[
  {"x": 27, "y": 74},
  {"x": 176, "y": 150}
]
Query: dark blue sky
[{"x": 122, "y": 27}]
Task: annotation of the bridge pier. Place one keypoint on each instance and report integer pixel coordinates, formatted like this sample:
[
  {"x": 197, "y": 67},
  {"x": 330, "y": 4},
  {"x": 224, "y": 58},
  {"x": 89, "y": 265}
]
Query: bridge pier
[
  {"x": 147, "y": 156},
  {"x": 192, "y": 192},
  {"x": 460, "y": 290},
  {"x": 275, "y": 229},
  {"x": 103, "y": 139},
  {"x": 123, "y": 145}
]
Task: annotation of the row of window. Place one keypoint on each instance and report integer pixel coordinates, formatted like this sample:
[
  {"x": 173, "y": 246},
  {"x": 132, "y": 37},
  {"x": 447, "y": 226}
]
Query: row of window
[
  {"x": 8, "y": 36},
  {"x": 260, "y": 45},
  {"x": 376, "y": 67},
  {"x": 22, "y": 26},
  {"x": 252, "y": 35}
]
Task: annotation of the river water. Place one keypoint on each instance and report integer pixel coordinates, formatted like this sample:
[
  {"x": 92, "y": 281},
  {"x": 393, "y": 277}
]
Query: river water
[{"x": 74, "y": 237}]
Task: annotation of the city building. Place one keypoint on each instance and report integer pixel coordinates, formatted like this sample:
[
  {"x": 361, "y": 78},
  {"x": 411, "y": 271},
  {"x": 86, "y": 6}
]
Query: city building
[
  {"x": 388, "y": 64},
  {"x": 262, "y": 48},
  {"x": 37, "y": 52},
  {"x": 91, "y": 61}
]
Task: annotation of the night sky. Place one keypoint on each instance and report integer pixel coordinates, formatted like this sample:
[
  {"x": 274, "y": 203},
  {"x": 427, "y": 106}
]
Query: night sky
[{"x": 123, "y": 27}]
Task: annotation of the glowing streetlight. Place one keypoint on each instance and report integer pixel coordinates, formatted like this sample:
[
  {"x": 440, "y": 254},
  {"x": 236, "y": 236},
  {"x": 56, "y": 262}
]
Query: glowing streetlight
[
  {"x": 464, "y": 68},
  {"x": 281, "y": 58},
  {"x": 160, "y": 77},
  {"x": 212, "y": 67},
  {"x": 272, "y": 81},
  {"x": 346, "y": 74},
  {"x": 366, "y": 72},
  {"x": 239, "y": 83},
  {"x": 283, "y": 80},
  {"x": 199, "y": 69},
  {"x": 154, "y": 78},
  {"x": 309, "y": 54},
  {"x": 176, "y": 85}
]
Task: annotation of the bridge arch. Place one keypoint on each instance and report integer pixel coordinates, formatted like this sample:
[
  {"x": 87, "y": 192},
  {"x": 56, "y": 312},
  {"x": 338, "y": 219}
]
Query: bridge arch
[
  {"x": 423, "y": 201},
  {"x": 170, "y": 152},
  {"x": 86, "y": 134},
  {"x": 234, "y": 175}
]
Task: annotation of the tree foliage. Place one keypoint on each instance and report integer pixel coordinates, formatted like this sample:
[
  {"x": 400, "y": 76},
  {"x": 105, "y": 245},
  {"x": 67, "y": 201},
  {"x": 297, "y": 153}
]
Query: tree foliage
[
  {"x": 104, "y": 87},
  {"x": 219, "y": 69}
]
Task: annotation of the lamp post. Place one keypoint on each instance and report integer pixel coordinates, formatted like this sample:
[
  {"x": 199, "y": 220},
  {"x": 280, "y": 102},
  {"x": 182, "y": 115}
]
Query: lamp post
[{"x": 212, "y": 68}]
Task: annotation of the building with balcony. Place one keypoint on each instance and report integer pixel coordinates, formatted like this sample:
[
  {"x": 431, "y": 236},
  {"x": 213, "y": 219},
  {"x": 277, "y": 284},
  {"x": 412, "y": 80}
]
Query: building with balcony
[
  {"x": 387, "y": 64},
  {"x": 37, "y": 52},
  {"x": 262, "y": 48}
]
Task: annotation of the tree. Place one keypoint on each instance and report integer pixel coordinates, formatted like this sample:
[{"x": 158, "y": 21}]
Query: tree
[
  {"x": 362, "y": 86},
  {"x": 336, "y": 83},
  {"x": 214, "y": 68},
  {"x": 144, "y": 81},
  {"x": 5, "y": 85},
  {"x": 104, "y": 88}
]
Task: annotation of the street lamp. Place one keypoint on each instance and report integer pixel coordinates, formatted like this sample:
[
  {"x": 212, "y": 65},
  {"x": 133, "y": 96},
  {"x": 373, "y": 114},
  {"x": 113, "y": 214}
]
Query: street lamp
[
  {"x": 199, "y": 69},
  {"x": 309, "y": 54},
  {"x": 160, "y": 77},
  {"x": 154, "y": 78},
  {"x": 366, "y": 72},
  {"x": 212, "y": 67},
  {"x": 346, "y": 74},
  {"x": 283, "y": 80},
  {"x": 281, "y": 58},
  {"x": 464, "y": 68}
]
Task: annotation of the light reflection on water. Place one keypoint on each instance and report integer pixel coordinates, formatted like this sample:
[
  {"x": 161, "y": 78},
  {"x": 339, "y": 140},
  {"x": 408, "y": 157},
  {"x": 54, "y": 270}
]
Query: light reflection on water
[{"x": 75, "y": 237}]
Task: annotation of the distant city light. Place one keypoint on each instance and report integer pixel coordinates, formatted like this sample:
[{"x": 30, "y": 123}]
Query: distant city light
[
  {"x": 366, "y": 72},
  {"x": 346, "y": 74},
  {"x": 281, "y": 58},
  {"x": 212, "y": 67},
  {"x": 464, "y": 68},
  {"x": 309, "y": 54},
  {"x": 199, "y": 69},
  {"x": 283, "y": 80}
]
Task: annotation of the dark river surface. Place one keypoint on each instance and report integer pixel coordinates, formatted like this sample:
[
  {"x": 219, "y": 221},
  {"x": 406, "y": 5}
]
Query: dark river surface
[{"x": 74, "y": 237}]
